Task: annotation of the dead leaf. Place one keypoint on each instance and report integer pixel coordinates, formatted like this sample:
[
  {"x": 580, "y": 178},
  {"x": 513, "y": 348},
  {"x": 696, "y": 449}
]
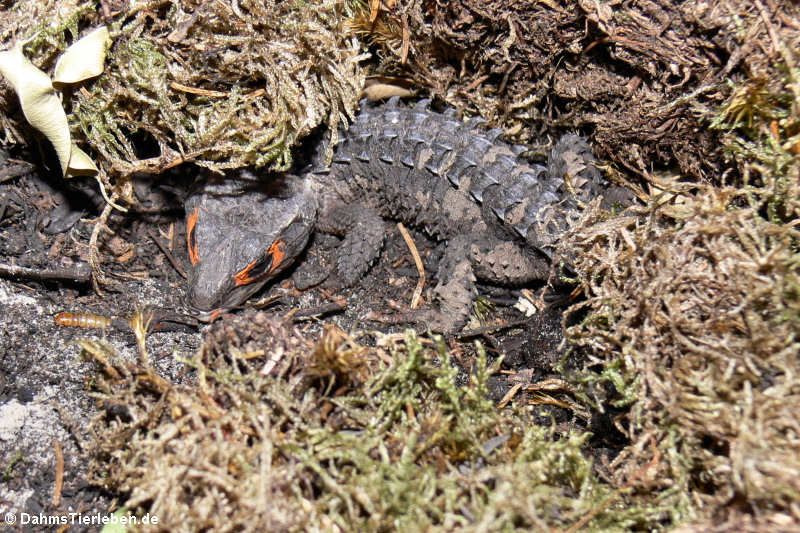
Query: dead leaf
[{"x": 84, "y": 59}]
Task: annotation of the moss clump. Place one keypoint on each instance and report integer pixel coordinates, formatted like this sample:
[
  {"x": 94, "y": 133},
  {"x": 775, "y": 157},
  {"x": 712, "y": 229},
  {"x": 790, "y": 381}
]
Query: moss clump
[
  {"x": 643, "y": 79},
  {"x": 220, "y": 84},
  {"x": 398, "y": 447},
  {"x": 694, "y": 315}
]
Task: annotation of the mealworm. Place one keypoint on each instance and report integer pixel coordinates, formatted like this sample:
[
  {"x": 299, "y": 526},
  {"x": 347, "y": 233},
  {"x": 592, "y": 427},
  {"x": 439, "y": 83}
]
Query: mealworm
[{"x": 82, "y": 320}]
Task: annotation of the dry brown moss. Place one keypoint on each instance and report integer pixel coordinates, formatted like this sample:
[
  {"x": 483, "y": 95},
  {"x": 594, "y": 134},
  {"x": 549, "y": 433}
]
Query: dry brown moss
[
  {"x": 741, "y": 522},
  {"x": 221, "y": 84},
  {"x": 643, "y": 78},
  {"x": 694, "y": 312},
  {"x": 400, "y": 447}
]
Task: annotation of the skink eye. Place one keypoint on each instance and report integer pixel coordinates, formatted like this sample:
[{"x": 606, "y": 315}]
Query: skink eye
[
  {"x": 262, "y": 267},
  {"x": 191, "y": 241}
]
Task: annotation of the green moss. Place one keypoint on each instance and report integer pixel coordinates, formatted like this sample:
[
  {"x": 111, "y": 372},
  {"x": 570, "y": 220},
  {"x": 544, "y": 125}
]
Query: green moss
[
  {"x": 406, "y": 450},
  {"x": 209, "y": 83},
  {"x": 8, "y": 471}
]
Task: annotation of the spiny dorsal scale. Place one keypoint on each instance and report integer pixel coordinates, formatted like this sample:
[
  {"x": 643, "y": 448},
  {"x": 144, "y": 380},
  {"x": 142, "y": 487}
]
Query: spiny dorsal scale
[
  {"x": 437, "y": 161},
  {"x": 408, "y": 160},
  {"x": 386, "y": 158},
  {"x": 363, "y": 156},
  {"x": 549, "y": 197},
  {"x": 482, "y": 181},
  {"x": 457, "y": 170},
  {"x": 526, "y": 186},
  {"x": 494, "y": 133},
  {"x": 480, "y": 144},
  {"x": 423, "y": 104},
  {"x": 475, "y": 122},
  {"x": 440, "y": 147},
  {"x": 505, "y": 163},
  {"x": 394, "y": 101},
  {"x": 432, "y": 168},
  {"x": 528, "y": 177},
  {"x": 518, "y": 149},
  {"x": 418, "y": 121},
  {"x": 393, "y": 116}
]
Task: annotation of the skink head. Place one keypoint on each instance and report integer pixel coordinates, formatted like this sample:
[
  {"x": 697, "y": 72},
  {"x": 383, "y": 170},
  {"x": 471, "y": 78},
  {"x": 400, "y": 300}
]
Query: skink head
[{"x": 241, "y": 233}]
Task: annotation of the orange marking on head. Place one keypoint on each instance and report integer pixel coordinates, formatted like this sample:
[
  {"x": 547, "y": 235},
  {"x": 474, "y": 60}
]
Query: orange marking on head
[
  {"x": 275, "y": 253},
  {"x": 191, "y": 243},
  {"x": 243, "y": 276}
]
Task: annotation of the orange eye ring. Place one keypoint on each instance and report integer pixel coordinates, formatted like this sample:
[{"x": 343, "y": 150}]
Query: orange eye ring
[{"x": 263, "y": 267}]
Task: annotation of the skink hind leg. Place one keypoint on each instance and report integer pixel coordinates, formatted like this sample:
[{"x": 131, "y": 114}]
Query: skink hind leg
[
  {"x": 506, "y": 263},
  {"x": 453, "y": 294},
  {"x": 465, "y": 260},
  {"x": 455, "y": 289}
]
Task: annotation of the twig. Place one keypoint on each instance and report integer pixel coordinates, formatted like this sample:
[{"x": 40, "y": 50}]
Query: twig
[
  {"x": 80, "y": 273},
  {"x": 406, "y": 41},
  {"x": 75, "y": 430},
  {"x": 687, "y": 97},
  {"x": 59, "y": 483},
  {"x": 552, "y": 384},
  {"x": 776, "y": 41},
  {"x": 198, "y": 91},
  {"x": 510, "y": 394},
  {"x": 95, "y": 351},
  {"x": 417, "y": 261},
  {"x": 374, "y": 10},
  {"x": 110, "y": 200},
  {"x": 506, "y": 74},
  {"x": 14, "y": 170},
  {"x": 476, "y": 82},
  {"x": 169, "y": 256},
  {"x": 94, "y": 251},
  {"x": 330, "y": 307},
  {"x": 273, "y": 361}
]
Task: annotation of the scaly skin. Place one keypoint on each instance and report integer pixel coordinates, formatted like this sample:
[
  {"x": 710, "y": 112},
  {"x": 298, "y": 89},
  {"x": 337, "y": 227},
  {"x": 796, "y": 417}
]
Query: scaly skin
[{"x": 499, "y": 215}]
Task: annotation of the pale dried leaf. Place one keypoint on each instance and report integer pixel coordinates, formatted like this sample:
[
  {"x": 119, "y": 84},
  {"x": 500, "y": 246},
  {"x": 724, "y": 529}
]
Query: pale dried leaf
[
  {"x": 84, "y": 59},
  {"x": 80, "y": 164},
  {"x": 40, "y": 104}
]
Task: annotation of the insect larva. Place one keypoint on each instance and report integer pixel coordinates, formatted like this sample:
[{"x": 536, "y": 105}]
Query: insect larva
[{"x": 82, "y": 320}]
